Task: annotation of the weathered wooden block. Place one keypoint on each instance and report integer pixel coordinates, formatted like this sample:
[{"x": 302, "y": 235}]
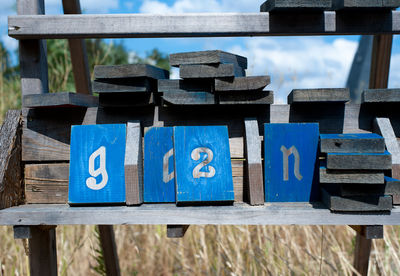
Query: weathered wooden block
[
  {"x": 349, "y": 190},
  {"x": 331, "y": 95},
  {"x": 202, "y": 164},
  {"x": 129, "y": 85},
  {"x": 290, "y": 162},
  {"x": 202, "y": 71},
  {"x": 133, "y": 164},
  {"x": 176, "y": 231},
  {"x": 192, "y": 85},
  {"x": 347, "y": 143},
  {"x": 242, "y": 83},
  {"x": 362, "y": 4},
  {"x": 129, "y": 71},
  {"x": 22, "y": 232},
  {"x": 392, "y": 187},
  {"x": 159, "y": 172},
  {"x": 188, "y": 98},
  {"x": 59, "y": 99},
  {"x": 369, "y": 231},
  {"x": 359, "y": 161},
  {"x": 350, "y": 177},
  {"x": 207, "y": 57},
  {"x": 293, "y": 5},
  {"x": 246, "y": 97},
  {"x": 381, "y": 96},
  {"x": 46, "y": 183},
  {"x": 97, "y": 164},
  {"x": 137, "y": 99},
  {"x": 371, "y": 203},
  {"x": 254, "y": 163}
]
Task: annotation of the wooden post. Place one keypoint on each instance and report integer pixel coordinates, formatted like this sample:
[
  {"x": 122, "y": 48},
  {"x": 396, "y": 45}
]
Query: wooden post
[
  {"x": 43, "y": 251},
  {"x": 379, "y": 76},
  {"x": 77, "y": 48},
  {"x": 107, "y": 239}
]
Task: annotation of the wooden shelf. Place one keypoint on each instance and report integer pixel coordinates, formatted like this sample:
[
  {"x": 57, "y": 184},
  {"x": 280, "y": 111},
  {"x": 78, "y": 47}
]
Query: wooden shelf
[
  {"x": 239, "y": 214},
  {"x": 202, "y": 25}
]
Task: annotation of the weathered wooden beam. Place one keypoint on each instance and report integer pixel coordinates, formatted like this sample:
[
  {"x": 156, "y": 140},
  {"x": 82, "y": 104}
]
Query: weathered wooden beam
[
  {"x": 370, "y": 232},
  {"x": 22, "y": 232},
  {"x": 107, "y": 239},
  {"x": 345, "y": 143},
  {"x": 383, "y": 127},
  {"x": 176, "y": 231},
  {"x": 185, "y": 98},
  {"x": 365, "y": 4},
  {"x": 381, "y": 96},
  {"x": 350, "y": 177},
  {"x": 60, "y": 99},
  {"x": 43, "y": 251},
  {"x": 11, "y": 189},
  {"x": 128, "y": 85},
  {"x": 32, "y": 54},
  {"x": 204, "y": 71},
  {"x": 380, "y": 63},
  {"x": 191, "y": 85},
  {"x": 359, "y": 161},
  {"x": 207, "y": 57},
  {"x": 295, "y": 5},
  {"x": 200, "y": 25},
  {"x": 361, "y": 255},
  {"x": 246, "y": 98},
  {"x": 330, "y": 95},
  {"x": 129, "y": 71},
  {"x": 242, "y": 83},
  {"x": 254, "y": 169}
]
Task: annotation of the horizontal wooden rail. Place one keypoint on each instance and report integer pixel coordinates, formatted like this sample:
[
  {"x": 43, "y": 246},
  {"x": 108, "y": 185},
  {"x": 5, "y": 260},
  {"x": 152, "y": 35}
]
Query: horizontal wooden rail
[
  {"x": 202, "y": 24},
  {"x": 239, "y": 214}
]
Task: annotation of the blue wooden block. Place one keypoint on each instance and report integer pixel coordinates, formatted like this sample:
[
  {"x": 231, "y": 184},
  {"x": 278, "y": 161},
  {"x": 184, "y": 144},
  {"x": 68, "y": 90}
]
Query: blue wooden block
[
  {"x": 96, "y": 172},
  {"x": 291, "y": 162},
  {"x": 203, "y": 164},
  {"x": 159, "y": 175}
]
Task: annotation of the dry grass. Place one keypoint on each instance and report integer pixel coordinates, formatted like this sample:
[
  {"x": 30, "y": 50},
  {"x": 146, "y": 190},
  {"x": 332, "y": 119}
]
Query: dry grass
[{"x": 213, "y": 250}]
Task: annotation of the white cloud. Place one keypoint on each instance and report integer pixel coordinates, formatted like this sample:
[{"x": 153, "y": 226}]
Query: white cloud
[
  {"x": 87, "y": 6},
  {"x": 10, "y": 43},
  {"x": 394, "y": 76},
  {"x": 302, "y": 62},
  {"x": 185, "y": 6}
]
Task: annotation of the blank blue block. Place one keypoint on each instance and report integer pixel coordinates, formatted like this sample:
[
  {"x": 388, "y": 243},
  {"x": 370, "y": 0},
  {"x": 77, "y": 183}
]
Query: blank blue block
[
  {"x": 96, "y": 174},
  {"x": 290, "y": 162},
  {"x": 159, "y": 175},
  {"x": 203, "y": 164}
]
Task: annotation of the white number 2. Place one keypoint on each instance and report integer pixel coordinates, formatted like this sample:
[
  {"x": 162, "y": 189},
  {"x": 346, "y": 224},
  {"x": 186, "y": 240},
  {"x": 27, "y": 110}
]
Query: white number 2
[
  {"x": 91, "y": 182},
  {"x": 196, "y": 156}
]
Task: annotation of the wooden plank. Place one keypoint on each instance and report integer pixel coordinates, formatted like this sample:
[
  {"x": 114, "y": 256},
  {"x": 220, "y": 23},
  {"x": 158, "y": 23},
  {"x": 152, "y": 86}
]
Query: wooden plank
[
  {"x": 381, "y": 96},
  {"x": 133, "y": 164},
  {"x": 295, "y": 5},
  {"x": 128, "y": 85},
  {"x": 109, "y": 248},
  {"x": 191, "y": 85},
  {"x": 246, "y": 98},
  {"x": 77, "y": 48},
  {"x": 254, "y": 170},
  {"x": 32, "y": 54},
  {"x": 176, "y": 231},
  {"x": 345, "y": 143},
  {"x": 359, "y": 161},
  {"x": 43, "y": 251},
  {"x": 369, "y": 232},
  {"x": 292, "y": 181},
  {"x": 332, "y": 95},
  {"x": 380, "y": 61},
  {"x": 185, "y": 98},
  {"x": 203, "y": 171},
  {"x": 46, "y": 183},
  {"x": 60, "y": 99},
  {"x": 392, "y": 187},
  {"x": 362, "y": 4},
  {"x": 348, "y": 190},
  {"x": 102, "y": 181},
  {"x": 207, "y": 57},
  {"x": 371, "y": 203},
  {"x": 383, "y": 127},
  {"x": 361, "y": 255},
  {"x": 11, "y": 190},
  {"x": 239, "y": 214},
  {"x": 137, "y": 99},
  {"x": 129, "y": 71},
  {"x": 350, "y": 177},
  {"x": 242, "y": 83},
  {"x": 22, "y": 232},
  {"x": 203, "y": 71},
  {"x": 200, "y": 25}
]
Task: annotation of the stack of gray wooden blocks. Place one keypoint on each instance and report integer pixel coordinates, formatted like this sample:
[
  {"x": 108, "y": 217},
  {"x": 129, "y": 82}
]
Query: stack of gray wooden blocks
[
  {"x": 353, "y": 175},
  {"x": 213, "y": 78},
  {"x": 127, "y": 85}
]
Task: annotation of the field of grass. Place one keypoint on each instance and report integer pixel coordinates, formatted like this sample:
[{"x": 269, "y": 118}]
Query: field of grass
[{"x": 205, "y": 250}]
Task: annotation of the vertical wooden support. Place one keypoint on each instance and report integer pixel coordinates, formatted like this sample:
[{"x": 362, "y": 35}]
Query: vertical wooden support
[
  {"x": 379, "y": 76},
  {"x": 32, "y": 54},
  {"x": 109, "y": 247},
  {"x": 176, "y": 231},
  {"x": 43, "y": 251},
  {"x": 254, "y": 171},
  {"x": 77, "y": 48}
]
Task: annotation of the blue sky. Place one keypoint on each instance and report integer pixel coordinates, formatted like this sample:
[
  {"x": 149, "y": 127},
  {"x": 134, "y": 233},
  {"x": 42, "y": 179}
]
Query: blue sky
[{"x": 292, "y": 62}]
